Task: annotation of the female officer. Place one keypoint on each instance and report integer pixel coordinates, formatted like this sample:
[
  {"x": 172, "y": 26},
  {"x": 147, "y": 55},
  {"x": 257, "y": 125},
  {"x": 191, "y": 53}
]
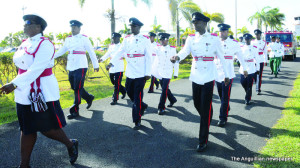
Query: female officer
[{"x": 37, "y": 92}]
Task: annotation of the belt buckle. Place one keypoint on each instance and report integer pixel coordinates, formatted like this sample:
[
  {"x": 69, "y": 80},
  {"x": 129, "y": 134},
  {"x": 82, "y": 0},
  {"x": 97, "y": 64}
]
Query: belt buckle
[{"x": 130, "y": 55}]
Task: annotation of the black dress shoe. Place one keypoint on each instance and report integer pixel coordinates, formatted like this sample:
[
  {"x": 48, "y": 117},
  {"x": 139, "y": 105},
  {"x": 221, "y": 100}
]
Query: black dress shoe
[
  {"x": 276, "y": 76},
  {"x": 20, "y": 167},
  {"x": 89, "y": 103},
  {"x": 247, "y": 102},
  {"x": 221, "y": 123},
  {"x": 137, "y": 125},
  {"x": 73, "y": 115},
  {"x": 271, "y": 73},
  {"x": 201, "y": 147},
  {"x": 113, "y": 103},
  {"x": 161, "y": 112},
  {"x": 123, "y": 95},
  {"x": 157, "y": 86},
  {"x": 171, "y": 104},
  {"x": 73, "y": 151},
  {"x": 258, "y": 93},
  {"x": 150, "y": 91},
  {"x": 144, "y": 109}
]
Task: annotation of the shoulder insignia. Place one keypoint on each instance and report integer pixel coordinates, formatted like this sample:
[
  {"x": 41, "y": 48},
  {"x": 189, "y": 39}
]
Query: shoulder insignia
[
  {"x": 146, "y": 36},
  {"x": 44, "y": 38},
  {"x": 214, "y": 34},
  {"x": 127, "y": 36},
  {"x": 254, "y": 46},
  {"x": 235, "y": 41},
  {"x": 191, "y": 35},
  {"x": 173, "y": 46},
  {"x": 84, "y": 35},
  {"x": 24, "y": 40}
]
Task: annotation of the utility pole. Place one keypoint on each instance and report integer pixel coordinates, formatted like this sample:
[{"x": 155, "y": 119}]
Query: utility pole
[
  {"x": 235, "y": 19},
  {"x": 23, "y": 9}
]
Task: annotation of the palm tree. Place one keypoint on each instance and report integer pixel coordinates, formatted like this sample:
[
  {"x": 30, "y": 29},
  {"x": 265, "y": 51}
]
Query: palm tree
[
  {"x": 157, "y": 29},
  {"x": 125, "y": 31},
  {"x": 184, "y": 8},
  {"x": 274, "y": 19},
  {"x": 260, "y": 17},
  {"x": 112, "y": 11},
  {"x": 216, "y": 17},
  {"x": 243, "y": 30}
]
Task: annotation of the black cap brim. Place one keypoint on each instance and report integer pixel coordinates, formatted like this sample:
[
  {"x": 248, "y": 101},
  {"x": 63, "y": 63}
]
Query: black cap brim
[{"x": 36, "y": 18}]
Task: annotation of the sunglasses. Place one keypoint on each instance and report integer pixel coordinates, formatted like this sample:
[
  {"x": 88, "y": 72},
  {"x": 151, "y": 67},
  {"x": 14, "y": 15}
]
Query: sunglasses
[{"x": 29, "y": 22}]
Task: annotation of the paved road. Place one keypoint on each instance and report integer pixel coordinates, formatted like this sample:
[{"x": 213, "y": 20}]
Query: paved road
[{"x": 106, "y": 137}]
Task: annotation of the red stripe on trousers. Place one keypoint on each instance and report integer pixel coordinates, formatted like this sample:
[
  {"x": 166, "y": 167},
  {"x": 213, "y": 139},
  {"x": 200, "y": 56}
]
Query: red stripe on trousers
[
  {"x": 209, "y": 114},
  {"x": 252, "y": 86},
  {"x": 79, "y": 101},
  {"x": 58, "y": 120},
  {"x": 140, "y": 104},
  {"x": 118, "y": 86},
  {"x": 167, "y": 93},
  {"x": 229, "y": 96},
  {"x": 260, "y": 76}
]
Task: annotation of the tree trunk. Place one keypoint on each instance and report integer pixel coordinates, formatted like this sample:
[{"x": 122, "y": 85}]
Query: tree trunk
[
  {"x": 113, "y": 19},
  {"x": 177, "y": 28}
]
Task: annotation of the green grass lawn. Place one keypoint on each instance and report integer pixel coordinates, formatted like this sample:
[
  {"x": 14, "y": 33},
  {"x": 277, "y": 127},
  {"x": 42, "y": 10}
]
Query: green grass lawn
[
  {"x": 285, "y": 135},
  {"x": 99, "y": 86}
]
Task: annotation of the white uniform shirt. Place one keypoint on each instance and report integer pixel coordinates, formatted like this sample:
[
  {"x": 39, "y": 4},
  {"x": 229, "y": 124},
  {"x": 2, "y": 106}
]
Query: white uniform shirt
[
  {"x": 164, "y": 65},
  {"x": 77, "y": 46},
  {"x": 204, "y": 49},
  {"x": 281, "y": 51},
  {"x": 35, "y": 67},
  {"x": 262, "y": 50},
  {"x": 250, "y": 55},
  {"x": 112, "y": 50},
  {"x": 154, "y": 48},
  {"x": 231, "y": 49},
  {"x": 138, "y": 56},
  {"x": 275, "y": 50}
]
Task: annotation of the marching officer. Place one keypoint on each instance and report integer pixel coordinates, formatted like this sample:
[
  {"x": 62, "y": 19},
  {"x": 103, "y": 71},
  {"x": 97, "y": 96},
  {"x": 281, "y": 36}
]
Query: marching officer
[
  {"x": 261, "y": 59},
  {"x": 230, "y": 47},
  {"x": 36, "y": 92},
  {"x": 137, "y": 48},
  {"x": 281, "y": 52},
  {"x": 204, "y": 47},
  {"x": 154, "y": 47},
  {"x": 116, "y": 72},
  {"x": 275, "y": 54},
  {"x": 250, "y": 56},
  {"x": 165, "y": 71},
  {"x": 77, "y": 44}
]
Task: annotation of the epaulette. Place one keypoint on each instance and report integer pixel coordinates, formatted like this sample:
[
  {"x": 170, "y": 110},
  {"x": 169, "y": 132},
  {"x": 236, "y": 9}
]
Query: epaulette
[
  {"x": 191, "y": 35},
  {"x": 70, "y": 36},
  {"x": 173, "y": 46},
  {"x": 44, "y": 38},
  {"x": 235, "y": 41},
  {"x": 127, "y": 36},
  {"x": 24, "y": 40},
  {"x": 84, "y": 35},
  {"x": 214, "y": 34},
  {"x": 146, "y": 36},
  {"x": 254, "y": 46}
]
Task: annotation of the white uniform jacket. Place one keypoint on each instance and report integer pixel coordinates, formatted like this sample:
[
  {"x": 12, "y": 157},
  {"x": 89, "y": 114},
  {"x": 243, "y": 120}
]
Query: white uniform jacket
[
  {"x": 231, "y": 50},
  {"x": 275, "y": 50},
  {"x": 138, "y": 56},
  {"x": 163, "y": 64},
  {"x": 250, "y": 55},
  {"x": 77, "y": 46},
  {"x": 35, "y": 67},
  {"x": 154, "y": 48},
  {"x": 204, "y": 49},
  {"x": 114, "y": 48},
  {"x": 281, "y": 49},
  {"x": 262, "y": 50}
]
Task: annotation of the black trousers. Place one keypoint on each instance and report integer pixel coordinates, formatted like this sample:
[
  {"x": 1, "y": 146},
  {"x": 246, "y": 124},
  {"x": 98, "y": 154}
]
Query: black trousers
[
  {"x": 247, "y": 84},
  {"x": 166, "y": 92},
  {"x": 202, "y": 96},
  {"x": 76, "y": 79},
  {"x": 258, "y": 78},
  {"x": 116, "y": 80},
  {"x": 153, "y": 81},
  {"x": 134, "y": 88},
  {"x": 224, "y": 94}
]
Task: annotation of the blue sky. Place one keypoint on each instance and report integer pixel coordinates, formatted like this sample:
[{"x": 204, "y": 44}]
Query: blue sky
[{"x": 58, "y": 13}]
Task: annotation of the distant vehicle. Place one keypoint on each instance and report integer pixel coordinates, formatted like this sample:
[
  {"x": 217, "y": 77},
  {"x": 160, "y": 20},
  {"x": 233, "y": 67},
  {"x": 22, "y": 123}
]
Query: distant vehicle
[
  {"x": 287, "y": 39},
  {"x": 9, "y": 50}
]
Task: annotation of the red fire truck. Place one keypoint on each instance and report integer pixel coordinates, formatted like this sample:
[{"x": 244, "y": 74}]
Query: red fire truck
[{"x": 287, "y": 39}]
